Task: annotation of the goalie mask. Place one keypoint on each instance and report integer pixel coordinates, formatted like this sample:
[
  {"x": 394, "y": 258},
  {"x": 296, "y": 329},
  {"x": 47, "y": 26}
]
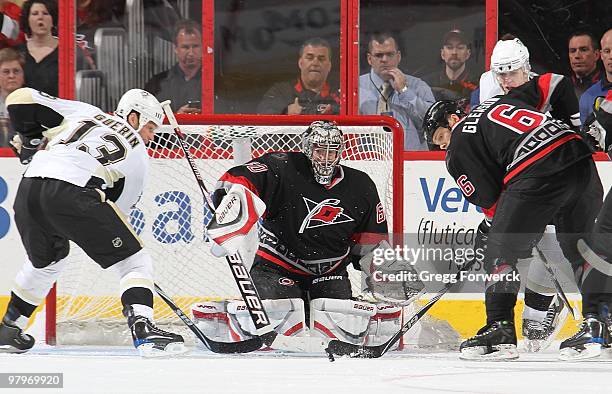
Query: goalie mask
[
  {"x": 142, "y": 102},
  {"x": 323, "y": 143},
  {"x": 437, "y": 116}
]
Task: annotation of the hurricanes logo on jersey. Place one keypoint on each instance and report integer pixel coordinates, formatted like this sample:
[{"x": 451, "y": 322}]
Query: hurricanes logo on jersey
[{"x": 324, "y": 213}]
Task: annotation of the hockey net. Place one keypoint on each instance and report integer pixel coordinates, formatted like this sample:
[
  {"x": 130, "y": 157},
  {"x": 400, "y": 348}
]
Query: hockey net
[{"x": 171, "y": 216}]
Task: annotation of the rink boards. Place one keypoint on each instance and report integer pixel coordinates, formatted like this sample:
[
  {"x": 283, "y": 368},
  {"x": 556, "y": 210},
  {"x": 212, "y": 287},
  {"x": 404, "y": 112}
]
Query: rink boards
[{"x": 430, "y": 196}]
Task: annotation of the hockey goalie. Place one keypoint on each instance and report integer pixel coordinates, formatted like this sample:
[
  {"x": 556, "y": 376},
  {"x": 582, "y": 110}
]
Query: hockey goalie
[{"x": 316, "y": 217}]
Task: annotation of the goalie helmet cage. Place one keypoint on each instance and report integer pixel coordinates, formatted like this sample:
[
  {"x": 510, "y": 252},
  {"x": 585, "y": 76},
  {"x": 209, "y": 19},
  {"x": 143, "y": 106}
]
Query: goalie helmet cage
[{"x": 85, "y": 308}]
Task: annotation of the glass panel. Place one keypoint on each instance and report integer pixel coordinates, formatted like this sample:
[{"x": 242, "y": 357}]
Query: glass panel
[
  {"x": 33, "y": 65},
  {"x": 545, "y": 27},
  {"x": 256, "y": 49},
  {"x": 439, "y": 42},
  {"x": 130, "y": 44}
]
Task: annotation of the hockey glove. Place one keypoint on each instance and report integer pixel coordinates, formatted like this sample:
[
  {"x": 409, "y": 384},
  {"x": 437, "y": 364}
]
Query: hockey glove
[
  {"x": 237, "y": 213},
  {"x": 597, "y": 129},
  {"x": 482, "y": 234},
  {"x": 25, "y": 147},
  {"x": 383, "y": 271}
]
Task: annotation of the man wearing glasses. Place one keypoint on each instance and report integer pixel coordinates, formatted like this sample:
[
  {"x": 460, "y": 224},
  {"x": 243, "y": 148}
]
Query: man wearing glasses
[{"x": 386, "y": 90}]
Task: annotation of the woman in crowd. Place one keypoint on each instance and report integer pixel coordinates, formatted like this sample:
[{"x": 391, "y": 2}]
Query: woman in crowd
[{"x": 39, "y": 23}]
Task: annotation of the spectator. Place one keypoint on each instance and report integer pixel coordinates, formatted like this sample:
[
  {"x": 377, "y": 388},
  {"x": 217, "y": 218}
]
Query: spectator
[
  {"x": 92, "y": 15},
  {"x": 10, "y": 34},
  {"x": 601, "y": 87},
  {"x": 11, "y": 78},
  {"x": 183, "y": 82},
  {"x": 387, "y": 90},
  {"x": 39, "y": 23},
  {"x": 311, "y": 93},
  {"x": 454, "y": 82},
  {"x": 583, "y": 58}
]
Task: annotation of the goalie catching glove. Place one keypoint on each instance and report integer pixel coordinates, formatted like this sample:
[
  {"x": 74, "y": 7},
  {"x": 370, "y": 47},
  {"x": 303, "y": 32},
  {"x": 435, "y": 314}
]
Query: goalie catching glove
[
  {"x": 234, "y": 218},
  {"x": 389, "y": 280}
]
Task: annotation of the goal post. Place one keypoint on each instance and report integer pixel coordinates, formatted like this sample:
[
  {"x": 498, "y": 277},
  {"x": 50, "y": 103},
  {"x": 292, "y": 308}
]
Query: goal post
[{"x": 171, "y": 215}]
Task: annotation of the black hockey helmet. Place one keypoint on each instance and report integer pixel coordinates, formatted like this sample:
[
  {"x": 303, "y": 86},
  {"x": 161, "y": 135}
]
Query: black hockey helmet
[{"x": 437, "y": 116}]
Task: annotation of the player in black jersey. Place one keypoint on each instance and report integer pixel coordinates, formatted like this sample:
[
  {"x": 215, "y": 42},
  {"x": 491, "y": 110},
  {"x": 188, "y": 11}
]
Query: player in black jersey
[
  {"x": 316, "y": 217},
  {"x": 596, "y": 247},
  {"x": 544, "y": 312},
  {"x": 527, "y": 169}
]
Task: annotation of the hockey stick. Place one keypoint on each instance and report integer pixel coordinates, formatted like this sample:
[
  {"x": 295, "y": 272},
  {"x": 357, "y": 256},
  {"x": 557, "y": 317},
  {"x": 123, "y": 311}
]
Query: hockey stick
[
  {"x": 248, "y": 291},
  {"x": 239, "y": 272},
  {"x": 245, "y": 346},
  {"x": 340, "y": 348},
  {"x": 555, "y": 282}
]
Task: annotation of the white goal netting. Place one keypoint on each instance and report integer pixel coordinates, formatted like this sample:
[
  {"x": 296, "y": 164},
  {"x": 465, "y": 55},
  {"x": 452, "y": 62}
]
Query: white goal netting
[{"x": 171, "y": 216}]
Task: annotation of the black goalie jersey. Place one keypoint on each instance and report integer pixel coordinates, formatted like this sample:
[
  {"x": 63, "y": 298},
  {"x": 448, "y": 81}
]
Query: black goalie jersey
[
  {"x": 309, "y": 228},
  {"x": 525, "y": 133}
]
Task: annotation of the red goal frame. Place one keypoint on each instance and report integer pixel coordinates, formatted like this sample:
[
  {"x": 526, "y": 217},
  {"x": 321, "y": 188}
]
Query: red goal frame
[{"x": 283, "y": 120}]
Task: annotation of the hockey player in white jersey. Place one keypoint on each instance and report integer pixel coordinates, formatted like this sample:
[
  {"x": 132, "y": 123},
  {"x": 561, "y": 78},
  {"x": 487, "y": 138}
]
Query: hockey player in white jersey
[{"x": 81, "y": 188}]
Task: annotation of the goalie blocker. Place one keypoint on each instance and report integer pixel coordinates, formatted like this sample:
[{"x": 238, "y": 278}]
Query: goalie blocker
[{"x": 234, "y": 218}]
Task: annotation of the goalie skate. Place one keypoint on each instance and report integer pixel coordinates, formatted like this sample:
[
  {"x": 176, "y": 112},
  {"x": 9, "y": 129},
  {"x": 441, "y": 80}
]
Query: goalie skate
[
  {"x": 493, "y": 342},
  {"x": 538, "y": 335}
]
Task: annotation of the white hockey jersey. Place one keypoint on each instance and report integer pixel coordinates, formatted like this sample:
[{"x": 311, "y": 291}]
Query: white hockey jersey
[{"x": 89, "y": 142}]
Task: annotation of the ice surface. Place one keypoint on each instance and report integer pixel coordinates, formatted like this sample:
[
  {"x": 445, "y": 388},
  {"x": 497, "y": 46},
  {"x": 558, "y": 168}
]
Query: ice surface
[{"x": 120, "y": 370}]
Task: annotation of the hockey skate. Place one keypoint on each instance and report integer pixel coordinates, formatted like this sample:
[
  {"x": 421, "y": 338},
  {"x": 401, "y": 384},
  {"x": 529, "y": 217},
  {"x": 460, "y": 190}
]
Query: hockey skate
[
  {"x": 152, "y": 341},
  {"x": 13, "y": 339},
  {"x": 496, "y": 341},
  {"x": 538, "y": 335},
  {"x": 588, "y": 342}
]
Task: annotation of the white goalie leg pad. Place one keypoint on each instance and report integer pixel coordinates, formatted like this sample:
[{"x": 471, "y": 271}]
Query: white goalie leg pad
[
  {"x": 286, "y": 316},
  {"x": 212, "y": 319},
  {"x": 384, "y": 324},
  {"x": 234, "y": 218},
  {"x": 346, "y": 320},
  {"x": 136, "y": 271},
  {"x": 32, "y": 284},
  {"x": 230, "y": 321}
]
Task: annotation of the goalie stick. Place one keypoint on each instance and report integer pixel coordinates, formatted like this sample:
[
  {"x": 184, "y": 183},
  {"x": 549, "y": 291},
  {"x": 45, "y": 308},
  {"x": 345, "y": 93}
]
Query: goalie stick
[
  {"x": 246, "y": 346},
  {"x": 266, "y": 334},
  {"x": 340, "y": 348},
  {"x": 248, "y": 291}
]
